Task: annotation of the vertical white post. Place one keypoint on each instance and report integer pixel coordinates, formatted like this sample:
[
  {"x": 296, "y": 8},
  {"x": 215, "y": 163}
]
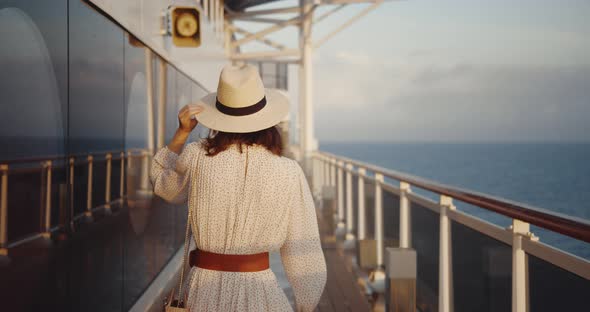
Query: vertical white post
[
  {"x": 306, "y": 137},
  {"x": 48, "y": 168},
  {"x": 122, "y": 177},
  {"x": 215, "y": 15},
  {"x": 379, "y": 218},
  {"x": 327, "y": 180},
  {"x": 149, "y": 98},
  {"x": 227, "y": 41},
  {"x": 107, "y": 189},
  {"x": 362, "y": 232},
  {"x": 3, "y": 209},
  {"x": 220, "y": 20},
  {"x": 405, "y": 234},
  {"x": 445, "y": 270},
  {"x": 519, "y": 267},
  {"x": 320, "y": 171},
  {"x": 145, "y": 171},
  {"x": 315, "y": 163},
  {"x": 89, "y": 189},
  {"x": 350, "y": 237},
  {"x": 340, "y": 186},
  {"x": 162, "y": 90},
  {"x": 333, "y": 172},
  {"x": 206, "y": 8}
]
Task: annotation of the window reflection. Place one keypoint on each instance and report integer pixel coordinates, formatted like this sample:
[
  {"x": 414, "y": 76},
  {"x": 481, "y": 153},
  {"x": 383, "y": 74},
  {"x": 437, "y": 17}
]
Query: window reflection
[{"x": 31, "y": 122}]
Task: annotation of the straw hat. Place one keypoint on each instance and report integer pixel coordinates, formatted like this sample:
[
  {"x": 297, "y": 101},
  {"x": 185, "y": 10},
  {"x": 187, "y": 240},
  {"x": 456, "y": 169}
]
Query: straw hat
[{"x": 241, "y": 103}]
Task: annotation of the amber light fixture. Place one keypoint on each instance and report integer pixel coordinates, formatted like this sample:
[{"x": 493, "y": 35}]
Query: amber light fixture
[{"x": 186, "y": 30}]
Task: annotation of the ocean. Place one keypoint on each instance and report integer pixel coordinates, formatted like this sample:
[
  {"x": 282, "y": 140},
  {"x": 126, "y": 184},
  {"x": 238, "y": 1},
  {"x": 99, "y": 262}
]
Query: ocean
[{"x": 552, "y": 176}]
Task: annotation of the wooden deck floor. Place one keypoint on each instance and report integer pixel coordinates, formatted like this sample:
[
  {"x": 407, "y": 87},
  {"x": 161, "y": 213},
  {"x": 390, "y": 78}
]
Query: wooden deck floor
[{"x": 342, "y": 292}]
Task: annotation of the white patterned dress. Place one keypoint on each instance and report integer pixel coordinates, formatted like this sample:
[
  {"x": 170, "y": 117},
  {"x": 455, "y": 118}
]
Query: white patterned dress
[{"x": 238, "y": 209}]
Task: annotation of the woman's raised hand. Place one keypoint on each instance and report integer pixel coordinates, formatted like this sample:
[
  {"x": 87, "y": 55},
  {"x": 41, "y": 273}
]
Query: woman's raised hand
[{"x": 186, "y": 120}]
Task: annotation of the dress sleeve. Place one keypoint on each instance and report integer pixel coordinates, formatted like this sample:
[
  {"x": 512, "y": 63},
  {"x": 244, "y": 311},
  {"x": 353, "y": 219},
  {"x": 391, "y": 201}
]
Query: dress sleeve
[
  {"x": 169, "y": 173},
  {"x": 301, "y": 254}
]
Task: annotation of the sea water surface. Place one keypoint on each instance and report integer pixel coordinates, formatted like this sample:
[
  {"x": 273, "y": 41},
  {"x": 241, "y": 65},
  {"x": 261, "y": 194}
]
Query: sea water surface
[{"x": 552, "y": 176}]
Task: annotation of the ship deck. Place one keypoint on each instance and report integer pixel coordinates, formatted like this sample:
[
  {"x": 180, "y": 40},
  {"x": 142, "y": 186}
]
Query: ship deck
[{"x": 343, "y": 291}]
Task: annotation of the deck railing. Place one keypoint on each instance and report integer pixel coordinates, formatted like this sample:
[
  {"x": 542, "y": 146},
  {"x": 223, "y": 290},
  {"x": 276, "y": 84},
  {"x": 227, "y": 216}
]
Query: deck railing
[
  {"x": 30, "y": 185},
  {"x": 454, "y": 247}
]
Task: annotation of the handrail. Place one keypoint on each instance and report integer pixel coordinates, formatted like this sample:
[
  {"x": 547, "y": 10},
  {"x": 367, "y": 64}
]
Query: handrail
[
  {"x": 567, "y": 225},
  {"x": 115, "y": 153},
  {"x": 45, "y": 165},
  {"x": 57, "y": 157}
]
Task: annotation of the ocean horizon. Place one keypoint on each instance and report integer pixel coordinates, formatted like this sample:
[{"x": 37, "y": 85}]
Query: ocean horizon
[{"x": 552, "y": 176}]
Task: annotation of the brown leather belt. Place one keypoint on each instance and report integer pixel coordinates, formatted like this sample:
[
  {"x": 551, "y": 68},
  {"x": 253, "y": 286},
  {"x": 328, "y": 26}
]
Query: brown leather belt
[{"x": 230, "y": 263}]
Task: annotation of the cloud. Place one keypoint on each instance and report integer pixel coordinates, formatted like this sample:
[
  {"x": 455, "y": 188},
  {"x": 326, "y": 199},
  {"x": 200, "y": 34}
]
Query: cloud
[{"x": 396, "y": 101}]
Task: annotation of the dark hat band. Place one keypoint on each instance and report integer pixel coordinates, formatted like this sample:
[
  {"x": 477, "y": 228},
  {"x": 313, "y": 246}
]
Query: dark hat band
[{"x": 240, "y": 111}]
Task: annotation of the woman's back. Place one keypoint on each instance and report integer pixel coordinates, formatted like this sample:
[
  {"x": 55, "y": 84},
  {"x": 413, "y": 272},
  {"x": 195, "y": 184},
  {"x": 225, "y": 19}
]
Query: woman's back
[
  {"x": 244, "y": 203},
  {"x": 239, "y": 208}
]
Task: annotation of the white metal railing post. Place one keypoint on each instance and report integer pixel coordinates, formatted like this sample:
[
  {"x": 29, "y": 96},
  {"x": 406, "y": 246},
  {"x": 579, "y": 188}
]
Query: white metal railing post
[
  {"x": 145, "y": 170},
  {"x": 316, "y": 174},
  {"x": 333, "y": 172},
  {"x": 379, "y": 217},
  {"x": 88, "y": 211},
  {"x": 47, "y": 225},
  {"x": 327, "y": 171},
  {"x": 405, "y": 232},
  {"x": 445, "y": 269},
  {"x": 520, "y": 283},
  {"x": 149, "y": 77},
  {"x": 350, "y": 237},
  {"x": 321, "y": 178},
  {"x": 3, "y": 209},
  {"x": 221, "y": 19},
  {"x": 107, "y": 191},
  {"x": 162, "y": 97},
  {"x": 361, "y": 231},
  {"x": 122, "y": 177},
  {"x": 72, "y": 162},
  {"x": 377, "y": 277},
  {"x": 340, "y": 227}
]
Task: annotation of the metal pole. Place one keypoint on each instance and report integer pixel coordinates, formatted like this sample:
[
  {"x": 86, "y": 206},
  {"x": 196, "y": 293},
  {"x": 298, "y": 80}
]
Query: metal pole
[
  {"x": 445, "y": 268},
  {"x": 519, "y": 267},
  {"x": 379, "y": 218},
  {"x": 72, "y": 162},
  {"x": 405, "y": 233},
  {"x": 327, "y": 180},
  {"x": 361, "y": 204},
  {"x": 145, "y": 170},
  {"x": 162, "y": 77},
  {"x": 107, "y": 192},
  {"x": 48, "y": 168},
  {"x": 89, "y": 189},
  {"x": 333, "y": 172},
  {"x": 221, "y": 20},
  {"x": 306, "y": 137},
  {"x": 341, "y": 225},
  {"x": 349, "y": 213},
  {"x": 122, "y": 177},
  {"x": 377, "y": 277},
  {"x": 320, "y": 171},
  {"x": 214, "y": 11},
  {"x": 3, "y": 210},
  {"x": 149, "y": 98}
]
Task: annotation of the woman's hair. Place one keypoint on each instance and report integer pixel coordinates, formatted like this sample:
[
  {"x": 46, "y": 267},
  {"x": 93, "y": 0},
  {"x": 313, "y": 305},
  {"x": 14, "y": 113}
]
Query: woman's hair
[{"x": 218, "y": 141}]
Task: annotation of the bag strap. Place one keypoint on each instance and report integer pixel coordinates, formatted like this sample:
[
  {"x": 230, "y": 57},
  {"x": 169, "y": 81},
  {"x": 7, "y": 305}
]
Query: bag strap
[{"x": 187, "y": 232}]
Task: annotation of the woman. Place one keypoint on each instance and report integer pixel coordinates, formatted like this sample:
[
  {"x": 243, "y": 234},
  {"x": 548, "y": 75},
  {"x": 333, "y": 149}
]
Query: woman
[{"x": 246, "y": 200}]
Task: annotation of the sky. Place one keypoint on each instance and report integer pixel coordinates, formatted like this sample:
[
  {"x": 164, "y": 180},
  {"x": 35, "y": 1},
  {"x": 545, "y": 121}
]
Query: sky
[{"x": 450, "y": 71}]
